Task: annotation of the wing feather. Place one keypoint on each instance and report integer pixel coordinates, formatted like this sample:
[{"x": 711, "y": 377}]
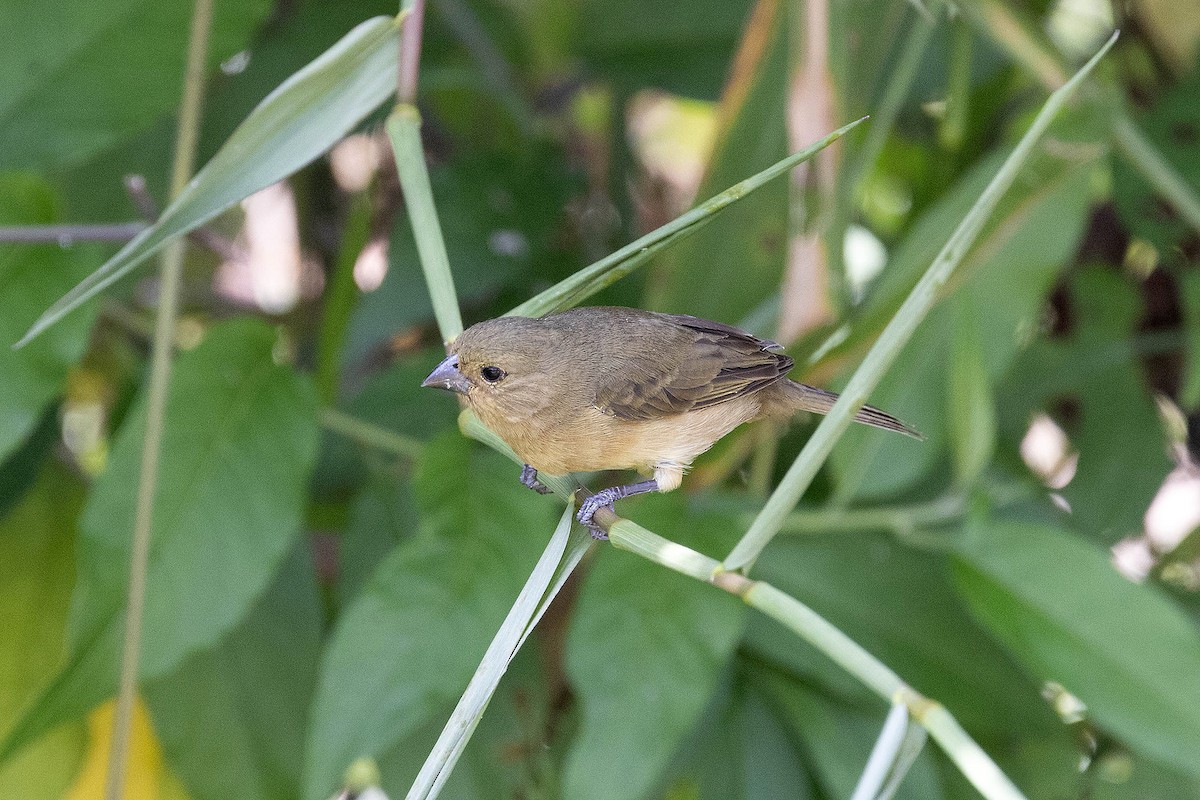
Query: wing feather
[{"x": 689, "y": 363}]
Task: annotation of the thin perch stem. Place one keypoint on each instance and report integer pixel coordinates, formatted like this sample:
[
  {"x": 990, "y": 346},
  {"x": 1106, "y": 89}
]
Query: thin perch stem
[
  {"x": 156, "y": 402},
  {"x": 970, "y": 758}
]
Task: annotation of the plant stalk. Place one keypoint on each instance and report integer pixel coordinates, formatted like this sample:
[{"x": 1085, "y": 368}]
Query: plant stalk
[{"x": 186, "y": 138}]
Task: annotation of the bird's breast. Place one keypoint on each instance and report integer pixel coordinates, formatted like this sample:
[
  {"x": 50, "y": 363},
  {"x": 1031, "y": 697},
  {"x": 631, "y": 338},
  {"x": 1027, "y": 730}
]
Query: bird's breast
[{"x": 558, "y": 441}]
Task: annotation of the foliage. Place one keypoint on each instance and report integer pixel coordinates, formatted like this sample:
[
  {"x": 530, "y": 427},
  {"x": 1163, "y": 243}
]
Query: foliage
[{"x": 315, "y": 598}]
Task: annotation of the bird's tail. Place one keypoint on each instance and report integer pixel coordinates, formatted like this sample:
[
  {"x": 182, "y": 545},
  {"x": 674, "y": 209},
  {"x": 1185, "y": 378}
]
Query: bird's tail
[{"x": 803, "y": 397}]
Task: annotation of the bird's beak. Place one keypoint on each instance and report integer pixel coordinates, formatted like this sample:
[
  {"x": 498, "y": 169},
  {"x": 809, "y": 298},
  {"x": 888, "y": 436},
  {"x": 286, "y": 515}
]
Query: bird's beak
[{"x": 447, "y": 376}]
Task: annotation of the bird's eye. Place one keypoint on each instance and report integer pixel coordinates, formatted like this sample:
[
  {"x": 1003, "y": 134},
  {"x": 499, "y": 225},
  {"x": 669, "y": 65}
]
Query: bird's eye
[{"x": 491, "y": 374}]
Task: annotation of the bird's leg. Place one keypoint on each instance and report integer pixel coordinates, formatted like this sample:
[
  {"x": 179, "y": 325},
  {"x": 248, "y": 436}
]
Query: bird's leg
[
  {"x": 605, "y": 499},
  {"x": 530, "y": 480}
]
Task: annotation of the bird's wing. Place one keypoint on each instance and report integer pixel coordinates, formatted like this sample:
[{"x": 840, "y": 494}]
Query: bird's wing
[{"x": 689, "y": 363}]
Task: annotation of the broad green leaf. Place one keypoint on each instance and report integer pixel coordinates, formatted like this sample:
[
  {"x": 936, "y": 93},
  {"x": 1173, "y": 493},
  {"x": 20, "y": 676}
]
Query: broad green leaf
[
  {"x": 32, "y": 276},
  {"x": 838, "y": 737},
  {"x": 238, "y": 448},
  {"x": 37, "y": 543},
  {"x": 1056, "y": 602},
  {"x": 726, "y": 270},
  {"x": 901, "y": 605},
  {"x": 1004, "y": 280},
  {"x": 644, "y": 653},
  {"x": 1116, "y": 428},
  {"x": 381, "y": 516},
  {"x": 100, "y": 73},
  {"x": 231, "y": 719},
  {"x": 293, "y": 125},
  {"x": 405, "y": 648}
]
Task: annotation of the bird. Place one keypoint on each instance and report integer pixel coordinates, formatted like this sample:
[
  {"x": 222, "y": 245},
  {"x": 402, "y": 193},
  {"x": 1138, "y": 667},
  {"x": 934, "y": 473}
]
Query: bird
[{"x": 599, "y": 388}]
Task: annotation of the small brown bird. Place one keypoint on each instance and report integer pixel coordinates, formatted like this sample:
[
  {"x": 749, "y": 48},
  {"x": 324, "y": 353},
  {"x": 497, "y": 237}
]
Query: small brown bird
[{"x": 605, "y": 388}]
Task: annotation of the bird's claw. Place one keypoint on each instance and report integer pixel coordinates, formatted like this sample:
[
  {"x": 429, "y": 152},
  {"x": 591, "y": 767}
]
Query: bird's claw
[
  {"x": 587, "y": 512},
  {"x": 529, "y": 479},
  {"x": 601, "y": 499}
]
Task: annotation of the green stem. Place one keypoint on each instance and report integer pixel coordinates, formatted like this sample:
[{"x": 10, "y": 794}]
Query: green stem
[
  {"x": 404, "y": 130},
  {"x": 895, "y": 336},
  {"x": 370, "y": 435},
  {"x": 340, "y": 299},
  {"x": 186, "y": 137},
  {"x": 970, "y": 758}
]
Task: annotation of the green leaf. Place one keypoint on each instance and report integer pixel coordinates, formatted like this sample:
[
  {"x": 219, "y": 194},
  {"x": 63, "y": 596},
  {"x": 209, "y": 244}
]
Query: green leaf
[
  {"x": 104, "y": 71},
  {"x": 238, "y": 446},
  {"x": 1116, "y": 430},
  {"x": 37, "y": 544},
  {"x": 1056, "y": 602},
  {"x": 900, "y": 604},
  {"x": 407, "y": 645},
  {"x": 243, "y": 704},
  {"x": 297, "y": 122},
  {"x": 644, "y": 653},
  {"x": 32, "y": 277}
]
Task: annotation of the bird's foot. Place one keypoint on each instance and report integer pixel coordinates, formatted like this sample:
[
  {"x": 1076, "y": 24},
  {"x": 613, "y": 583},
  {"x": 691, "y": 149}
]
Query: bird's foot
[
  {"x": 605, "y": 499},
  {"x": 588, "y": 508},
  {"x": 529, "y": 479}
]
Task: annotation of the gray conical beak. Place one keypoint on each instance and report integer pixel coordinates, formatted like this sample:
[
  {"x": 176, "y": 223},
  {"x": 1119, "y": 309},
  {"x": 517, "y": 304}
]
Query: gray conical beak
[{"x": 447, "y": 376}]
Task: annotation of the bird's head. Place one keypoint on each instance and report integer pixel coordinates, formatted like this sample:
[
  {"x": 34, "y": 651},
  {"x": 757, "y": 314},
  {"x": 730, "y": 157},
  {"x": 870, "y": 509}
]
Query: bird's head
[{"x": 499, "y": 366}]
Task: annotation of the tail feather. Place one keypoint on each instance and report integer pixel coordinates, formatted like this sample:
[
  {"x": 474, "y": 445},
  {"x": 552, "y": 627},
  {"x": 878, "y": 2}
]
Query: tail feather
[{"x": 809, "y": 398}]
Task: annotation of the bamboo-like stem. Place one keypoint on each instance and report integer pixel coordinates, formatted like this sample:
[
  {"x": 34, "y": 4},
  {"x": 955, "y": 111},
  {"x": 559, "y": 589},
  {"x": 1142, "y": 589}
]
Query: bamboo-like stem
[
  {"x": 410, "y": 50},
  {"x": 970, "y": 758},
  {"x": 404, "y": 130},
  {"x": 186, "y": 138},
  {"x": 370, "y": 435},
  {"x": 896, "y": 335}
]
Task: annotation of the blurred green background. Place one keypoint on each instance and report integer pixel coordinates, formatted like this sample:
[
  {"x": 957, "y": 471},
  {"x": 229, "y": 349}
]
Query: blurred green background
[{"x": 315, "y": 598}]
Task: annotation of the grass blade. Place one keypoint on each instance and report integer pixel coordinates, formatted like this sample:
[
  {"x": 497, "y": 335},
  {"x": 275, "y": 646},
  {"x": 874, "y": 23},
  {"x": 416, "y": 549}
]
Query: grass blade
[
  {"x": 558, "y": 560},
  {"x": 897, "y": 334},
  {"x": 590, "y": 280}
]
